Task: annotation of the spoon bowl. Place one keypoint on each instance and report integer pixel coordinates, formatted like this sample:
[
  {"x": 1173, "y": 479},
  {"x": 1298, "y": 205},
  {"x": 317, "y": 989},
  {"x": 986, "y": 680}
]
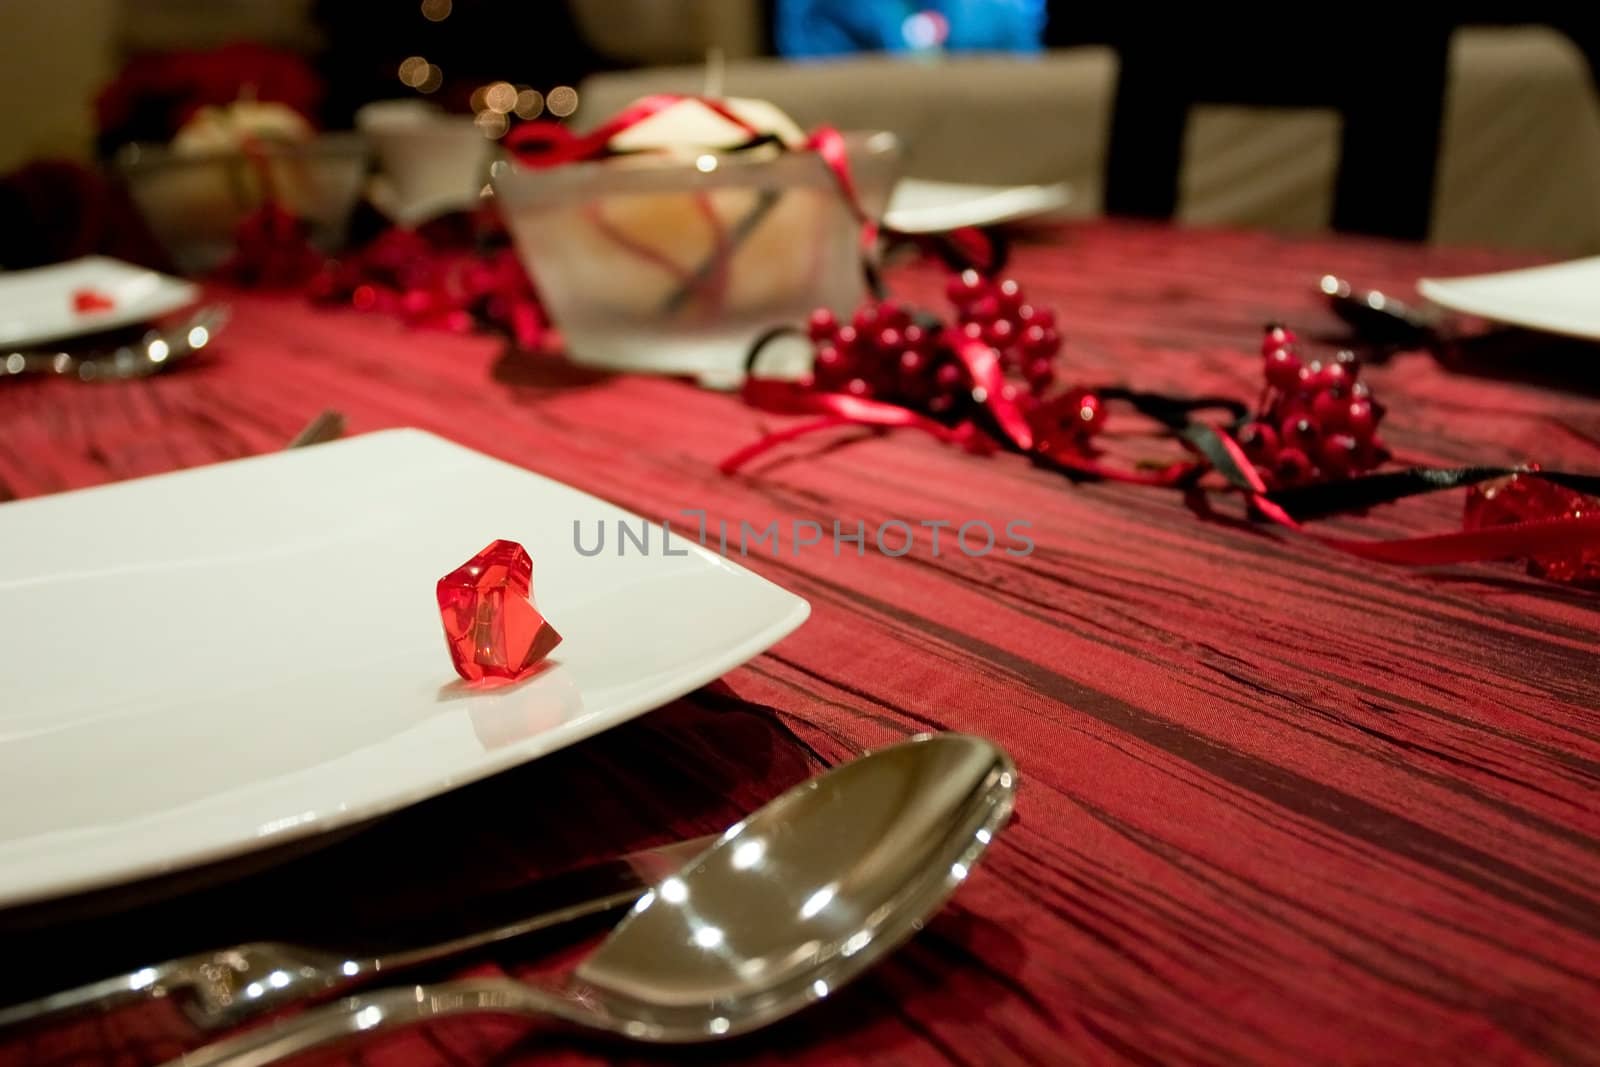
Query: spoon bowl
[
  {"x": 1379, "y": 318},
  {"x": 801, "y": 897}
]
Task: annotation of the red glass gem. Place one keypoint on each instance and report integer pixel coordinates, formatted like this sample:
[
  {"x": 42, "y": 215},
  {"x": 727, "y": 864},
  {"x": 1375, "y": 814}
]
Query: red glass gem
[
  {"x": 1524, "y": 498},
  {"x": 85, "y": 301},
  {"x": 490, "y": 624}
]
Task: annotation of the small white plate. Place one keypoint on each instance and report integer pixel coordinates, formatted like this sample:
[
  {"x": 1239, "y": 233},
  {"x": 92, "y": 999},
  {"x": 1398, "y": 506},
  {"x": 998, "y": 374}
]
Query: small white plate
[
  {"x": 920, "y": 206},
  {"x": 37, "y": 306},
  {"x": 1563, "y": 298},
  {"x": 201, "y": 664}
]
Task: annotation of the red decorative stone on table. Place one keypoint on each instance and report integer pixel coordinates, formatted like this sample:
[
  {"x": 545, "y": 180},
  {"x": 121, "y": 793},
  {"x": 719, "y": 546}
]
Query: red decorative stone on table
[
  {"x": 490, "y": 624},
  {"x": 1524, "y": 498}
]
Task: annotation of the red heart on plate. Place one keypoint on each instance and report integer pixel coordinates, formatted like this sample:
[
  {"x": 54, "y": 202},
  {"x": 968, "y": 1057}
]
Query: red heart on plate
[{"x": 85, "y": 301}]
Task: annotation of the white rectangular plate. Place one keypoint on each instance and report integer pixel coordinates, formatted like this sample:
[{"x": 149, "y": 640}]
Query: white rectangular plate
[
  {"x": 921, "y": 206},
  {"x": 200, "y": 664},
  {"x": 36, "y": 306},
  {"x": 1563, "y": 298}
]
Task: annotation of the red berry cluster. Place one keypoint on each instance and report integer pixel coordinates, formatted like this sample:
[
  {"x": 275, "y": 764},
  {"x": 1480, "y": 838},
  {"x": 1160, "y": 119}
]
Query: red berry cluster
[
  {"x": 438, "y": 279},
  {"x": 1316, "y": 420},
  {"x": 271, "y": 249},
  {"x": 886, "y": 353},
  {"x": 999, "y": 312}
]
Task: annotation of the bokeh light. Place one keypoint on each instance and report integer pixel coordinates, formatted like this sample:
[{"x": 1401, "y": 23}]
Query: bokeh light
[
  {"x": 562, "y": 101},
  {"x": 530, "y": 104},
  {"x": 492, "y": 123},
  {"x": 436, "y": 10},
  {"x": 925, "y": 30},
  {"x": 413, "y": 70},
  {"x": 500, "y": 97},
  {"x": 432, "y": 80}
]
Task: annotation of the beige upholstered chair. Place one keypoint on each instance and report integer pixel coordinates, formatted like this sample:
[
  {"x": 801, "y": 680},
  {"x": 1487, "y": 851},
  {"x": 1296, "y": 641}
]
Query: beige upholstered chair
[
  {"x": 1519, "y": 163},
  {"x": 977, "y": 119}
]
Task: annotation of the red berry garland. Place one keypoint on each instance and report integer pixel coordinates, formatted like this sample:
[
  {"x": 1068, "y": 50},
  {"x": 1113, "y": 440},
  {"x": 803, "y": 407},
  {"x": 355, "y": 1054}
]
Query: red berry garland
[
  {"x": 1316, "y": 420},
  {"x": 1314, "y": 427},
  {"x": 886, "y": 352}
]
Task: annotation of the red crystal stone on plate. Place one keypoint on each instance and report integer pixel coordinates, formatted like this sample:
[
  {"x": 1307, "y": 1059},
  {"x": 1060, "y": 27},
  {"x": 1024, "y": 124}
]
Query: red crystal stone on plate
[
  {"x": 85, "y": 301},
  {"x": 1524, "y": 498},
  {"x": 490, "y": 624}
]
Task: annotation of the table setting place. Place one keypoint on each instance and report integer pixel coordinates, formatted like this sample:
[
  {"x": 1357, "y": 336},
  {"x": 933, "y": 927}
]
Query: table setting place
[{"x": 484, "y": 588}]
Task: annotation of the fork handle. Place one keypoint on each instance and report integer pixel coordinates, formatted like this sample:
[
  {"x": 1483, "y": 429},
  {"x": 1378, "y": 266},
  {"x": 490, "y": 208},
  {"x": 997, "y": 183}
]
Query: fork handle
[
  {"x": 227, "y": 987},
  {"x": 108, "y": 994},
  {"x": 374, "y": 1012}
]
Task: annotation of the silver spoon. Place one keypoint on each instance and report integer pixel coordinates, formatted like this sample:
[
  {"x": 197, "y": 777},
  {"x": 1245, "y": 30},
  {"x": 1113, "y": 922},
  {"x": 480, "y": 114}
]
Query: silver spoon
[
  {"x": 156, "y": 351},
  {"x": 788, "y": 906}
]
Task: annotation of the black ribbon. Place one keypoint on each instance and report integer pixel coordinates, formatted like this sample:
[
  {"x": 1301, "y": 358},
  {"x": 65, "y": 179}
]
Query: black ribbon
[
  {"x": 765, "y": 339},
  {"x": 1368, "y": 490},
  {"x": 1362, "y": 491},
  {"x": 1174, "y": 412}
]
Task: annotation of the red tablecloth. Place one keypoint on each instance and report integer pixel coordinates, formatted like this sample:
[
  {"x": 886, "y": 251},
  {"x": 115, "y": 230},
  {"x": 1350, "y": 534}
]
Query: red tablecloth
[{"x": 1277, "y": 805}]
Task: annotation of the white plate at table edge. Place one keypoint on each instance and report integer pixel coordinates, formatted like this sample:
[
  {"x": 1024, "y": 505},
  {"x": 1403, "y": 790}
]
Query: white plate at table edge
[
  {"x": 153, "y": 295},
  {"x": 927, "y": 206},
  {"x": 78, "y": 870},
  {"x": 1495, "y": 297}
]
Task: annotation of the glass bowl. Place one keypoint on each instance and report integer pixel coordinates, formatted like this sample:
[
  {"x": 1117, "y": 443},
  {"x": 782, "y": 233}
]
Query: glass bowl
[
  {"x": 194, "y": 203},
  {"x": 429, "y": 162},
  {"x": 675, "y": 265}
]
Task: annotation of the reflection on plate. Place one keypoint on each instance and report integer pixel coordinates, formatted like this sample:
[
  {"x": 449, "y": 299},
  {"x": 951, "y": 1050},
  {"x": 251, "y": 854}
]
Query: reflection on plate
[
  {"x": 1563, "y": 298},
  {"x": 920, "y": 206},
  {"x": 256, "y": 655}
]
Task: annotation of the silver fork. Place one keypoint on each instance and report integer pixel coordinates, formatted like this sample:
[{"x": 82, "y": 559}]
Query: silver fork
[
  {"x": 156, "y": 351},
  {"x": 218, "y": 990}
]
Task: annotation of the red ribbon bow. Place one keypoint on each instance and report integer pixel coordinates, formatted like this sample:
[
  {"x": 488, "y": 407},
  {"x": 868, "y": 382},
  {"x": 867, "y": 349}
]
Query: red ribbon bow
[{"x": 551, "y": 144}]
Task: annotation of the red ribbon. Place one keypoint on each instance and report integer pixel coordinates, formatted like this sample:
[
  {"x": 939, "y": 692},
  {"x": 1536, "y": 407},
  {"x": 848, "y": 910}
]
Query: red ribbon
[
  {"x": 989, "y": 389},
  {"x": 837, "y": 409},
  {"x": 829, "y": 145},
  {"x": 550, "y": 144}
]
